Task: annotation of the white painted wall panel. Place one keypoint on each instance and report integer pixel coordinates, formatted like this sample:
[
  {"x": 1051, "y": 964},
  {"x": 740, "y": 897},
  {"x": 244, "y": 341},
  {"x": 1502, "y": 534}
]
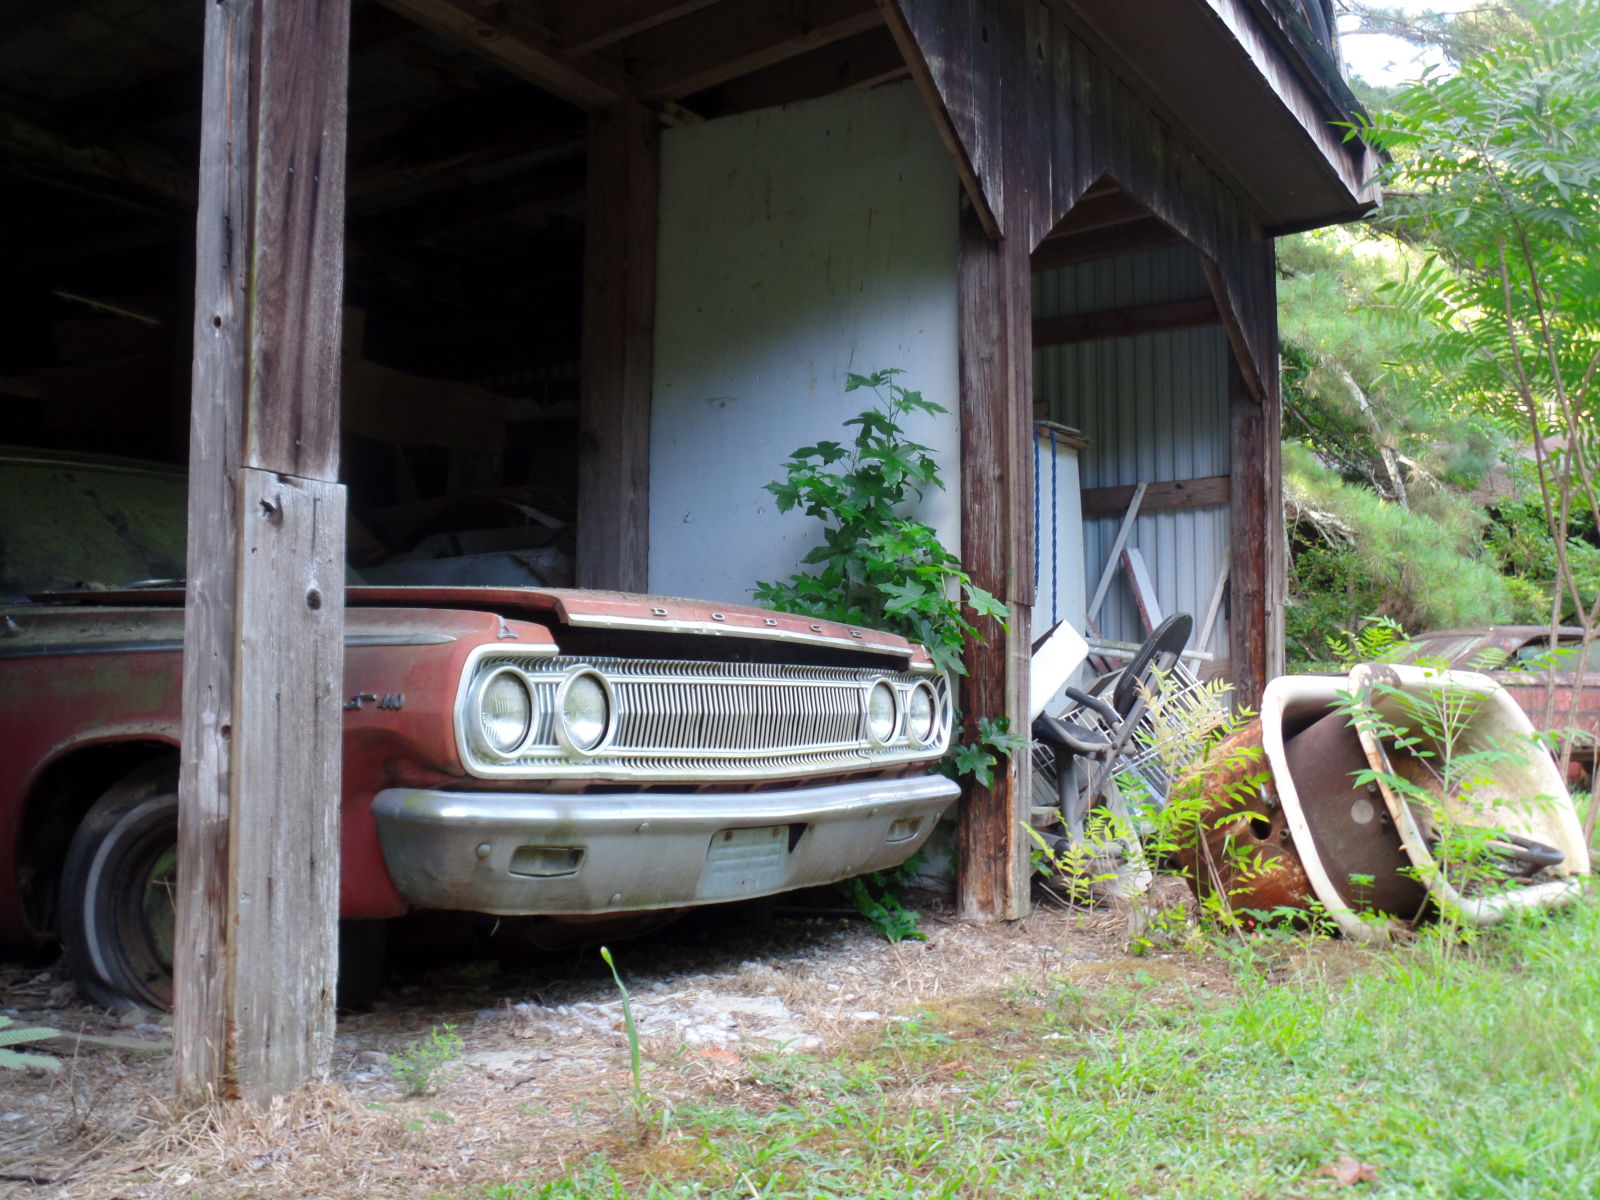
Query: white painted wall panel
[{"x": 797, "y": 244}]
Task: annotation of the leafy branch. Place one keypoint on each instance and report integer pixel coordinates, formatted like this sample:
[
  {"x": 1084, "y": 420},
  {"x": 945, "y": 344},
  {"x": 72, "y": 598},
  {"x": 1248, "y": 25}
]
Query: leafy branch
[{"x": 876, "y": 565}]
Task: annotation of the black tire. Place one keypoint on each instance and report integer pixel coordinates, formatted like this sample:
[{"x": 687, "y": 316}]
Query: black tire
[
  {"x": 119, "y": 896},
  {"x": 363, "y": 949},
  {"x": 118, "y": 892}
]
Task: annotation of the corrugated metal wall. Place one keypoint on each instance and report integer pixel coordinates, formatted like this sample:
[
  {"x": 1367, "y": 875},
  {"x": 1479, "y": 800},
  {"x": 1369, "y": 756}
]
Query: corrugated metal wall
[{"x": 1154, "y": 407}]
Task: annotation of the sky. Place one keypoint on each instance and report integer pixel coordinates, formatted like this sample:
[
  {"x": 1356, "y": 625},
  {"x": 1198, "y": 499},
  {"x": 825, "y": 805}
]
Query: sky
[{"x": 1388, "y": 60}]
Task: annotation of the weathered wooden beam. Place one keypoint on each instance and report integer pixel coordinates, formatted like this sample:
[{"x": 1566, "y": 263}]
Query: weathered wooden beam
[
  {"x": 1249, "y": 532},
  {"x": 173, "y": 92},
  {"x": 442, "y": 144},
  {"x": 505, "y": 35},
  {"x": 992, "y": 296},
  {"x": 595, "y": 24},
  {"x": 1176, "y": 495},
  {"x": 926, "y": 39},
  {"x": 1239, "y": 338},
  {"x": 858, "y": 62},
  {"x": 472, "y": 205},
  {"x": 1133, "y": 238},
  {"x": 127, "y": 169},
  {"x": 18, "y": 19},
  {"x": 717, "y": 44},
  {"x": 1102, "y": 210},
  {"x": 619, "y": 292},
  {"x": 258, "y": 847},
  {"x": 1125, "y": 322}
]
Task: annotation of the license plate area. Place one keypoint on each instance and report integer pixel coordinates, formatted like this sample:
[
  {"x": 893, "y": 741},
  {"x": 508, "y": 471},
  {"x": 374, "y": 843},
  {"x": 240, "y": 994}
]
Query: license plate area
[{"x": 746, "y": 862}]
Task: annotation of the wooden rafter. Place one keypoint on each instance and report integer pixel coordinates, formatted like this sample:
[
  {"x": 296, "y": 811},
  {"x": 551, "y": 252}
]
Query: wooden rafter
[
  {"x": 175, "y": 91},
  {"x": 596, "y": 24},
  {"x": 717, "y": 44},
  {"x": 1126, "y": 322},
  {"x": 1149, "y": 234},
  {"x": 507, "y": 36},
  {"x": 1103, "y": 210},
  {"x": 479, "y": 202},
  {"x": 123, "y": 169},
  {"x": 23, "y": 19},
  {"x": 858, "y": 62}
]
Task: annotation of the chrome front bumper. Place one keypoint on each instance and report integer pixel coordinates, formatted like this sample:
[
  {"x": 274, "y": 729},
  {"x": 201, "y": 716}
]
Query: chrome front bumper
[{"x": 539, "y": 853}]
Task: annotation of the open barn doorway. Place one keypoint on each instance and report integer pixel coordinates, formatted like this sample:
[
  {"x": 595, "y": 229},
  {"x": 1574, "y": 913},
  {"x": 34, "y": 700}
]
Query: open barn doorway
[
  {"x": 463, "y": 274},
  {"x": 1132, "y": 391},
  {"x": 474, "y": 225}
]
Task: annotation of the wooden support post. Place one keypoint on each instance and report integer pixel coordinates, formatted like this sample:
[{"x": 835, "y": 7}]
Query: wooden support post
[
  {"x": 1248, "y": 630},
  {"x": 258, "y": 849},
  {"x": 994, "y": 308},
  {"x": 619, "y": 295},
  {"x": 1258, "y": 551}
]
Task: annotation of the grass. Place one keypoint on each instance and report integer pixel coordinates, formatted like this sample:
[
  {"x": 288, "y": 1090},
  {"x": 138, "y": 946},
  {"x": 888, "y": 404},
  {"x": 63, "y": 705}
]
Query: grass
[{"x": 1454, "y": 1071}]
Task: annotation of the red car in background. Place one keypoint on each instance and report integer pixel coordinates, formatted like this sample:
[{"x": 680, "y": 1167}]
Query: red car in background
[{"x": 1544, "y": 680}]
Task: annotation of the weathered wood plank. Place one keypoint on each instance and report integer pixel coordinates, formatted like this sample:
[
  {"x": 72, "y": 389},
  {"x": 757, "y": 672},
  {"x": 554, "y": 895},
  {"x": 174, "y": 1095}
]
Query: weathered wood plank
[
  {"x": 1175, "y": 495},
  {"x": 990, "y": 856},
  {"x": 125, "y": 169},
  {"x": 264, "y": 155},
  {"x": 297, "y": 257},
  {"x": 288, "y": 670},
  {"x": 1124, "y": 532},
  {"x": 1234, "y": 309},
  {"x": 856, "y": 63},
  {"x": 967, "y": 47},
  {"x": 507, "y": 37},
  {"x": 1105, "y": 210},
  {"x": 595, "y": 24},
  {"x": 938, "y": 72},
  {"x": 1136, "y": 238},
  {"x": 618, "y": 330},
  {"x": 710, "y": 47},
  {"x": 551, "y": 183},
  {"x": 1143, "y": 585},
  {"x": 1038, "y": 133},
  {"x": 1248, "y": 534},
  {"x": 1125, "y": 322}
]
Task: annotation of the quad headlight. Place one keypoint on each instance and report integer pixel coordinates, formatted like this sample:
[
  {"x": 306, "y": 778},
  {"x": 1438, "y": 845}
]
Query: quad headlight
[
  {"x": 505, "y": 711},
  {"x": 883, "y": 713},
  {"x": 922, "y": 714},
  {"x": 584, "y": 710}
]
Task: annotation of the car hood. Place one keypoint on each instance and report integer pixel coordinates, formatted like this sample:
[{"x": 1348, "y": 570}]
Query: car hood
[{"x": 580, "y": 608}]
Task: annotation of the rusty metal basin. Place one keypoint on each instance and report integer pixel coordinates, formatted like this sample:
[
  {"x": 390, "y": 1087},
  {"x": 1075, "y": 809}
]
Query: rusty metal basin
[
  {"x": 1247, "y": 844},
  {"x": 1240, "y": 846},
  {"x": 1355, "y": 835},
  {"x": 1526, "y": 798}
]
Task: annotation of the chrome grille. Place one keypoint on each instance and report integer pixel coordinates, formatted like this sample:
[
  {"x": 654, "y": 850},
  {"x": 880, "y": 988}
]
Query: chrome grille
[{"x": 680, "y": 719}]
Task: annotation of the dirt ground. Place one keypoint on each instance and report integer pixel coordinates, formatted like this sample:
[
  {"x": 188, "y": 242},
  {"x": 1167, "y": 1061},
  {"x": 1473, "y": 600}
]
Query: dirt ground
[{"x": 543, "y": 1075}]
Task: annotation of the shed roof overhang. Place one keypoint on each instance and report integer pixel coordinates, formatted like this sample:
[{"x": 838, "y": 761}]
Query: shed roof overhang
[{"x": 1250, "y": 86}]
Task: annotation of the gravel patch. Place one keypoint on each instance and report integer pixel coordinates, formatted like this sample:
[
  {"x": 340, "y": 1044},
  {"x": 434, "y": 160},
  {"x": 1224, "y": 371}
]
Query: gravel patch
[{"x": 543, "y": 1074}]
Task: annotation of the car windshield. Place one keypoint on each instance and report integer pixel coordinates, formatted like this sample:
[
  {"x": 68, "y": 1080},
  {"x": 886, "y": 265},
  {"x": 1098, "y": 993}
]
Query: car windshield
[
  {"x": 87, "y": 524},
  {"x": 1454, "y": 650},
  {"x": 1567, "y": 656}
]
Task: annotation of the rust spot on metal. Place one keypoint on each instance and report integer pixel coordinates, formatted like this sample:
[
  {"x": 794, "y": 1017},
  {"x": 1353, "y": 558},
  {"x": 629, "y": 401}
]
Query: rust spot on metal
[{"x": 1240, "y": 847}]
